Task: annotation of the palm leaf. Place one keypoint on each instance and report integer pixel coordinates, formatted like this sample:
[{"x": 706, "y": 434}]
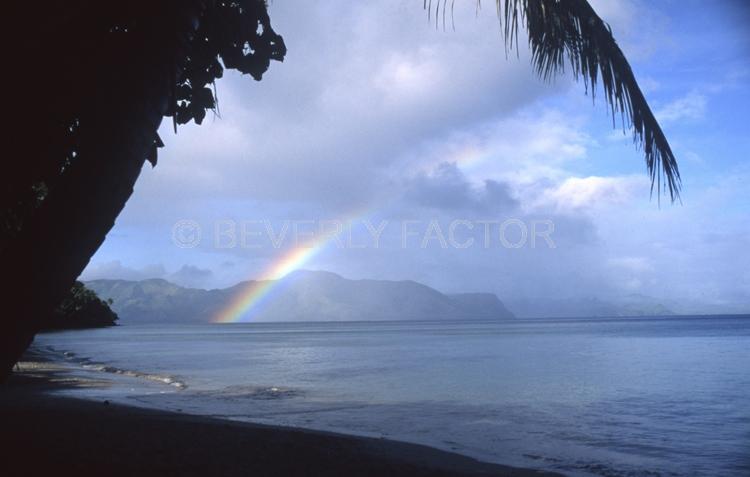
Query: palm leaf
[{"x": 570, "y": 32}]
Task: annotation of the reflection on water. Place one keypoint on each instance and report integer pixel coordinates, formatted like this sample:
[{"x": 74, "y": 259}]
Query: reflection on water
[{"x": 588, "y": 397}]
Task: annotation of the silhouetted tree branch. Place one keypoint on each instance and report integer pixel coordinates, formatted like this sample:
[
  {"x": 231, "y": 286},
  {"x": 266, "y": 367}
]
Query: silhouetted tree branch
[{"x": 98, "y": 79}]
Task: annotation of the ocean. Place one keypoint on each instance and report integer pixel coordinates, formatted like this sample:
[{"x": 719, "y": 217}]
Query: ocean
[{"x": 605, "y": 397}]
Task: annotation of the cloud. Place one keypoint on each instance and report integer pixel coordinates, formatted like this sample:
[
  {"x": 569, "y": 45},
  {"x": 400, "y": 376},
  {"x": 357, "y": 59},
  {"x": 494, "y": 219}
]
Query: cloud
[
  {"x": 640, "y": 36},
  {"x": 191, "y": 276},
  {"x": 352, "y": 97},
  {"x": 522, "y": 150},
  {"x": 447, "y": 188},
  {"x": 187, "y": 275},
  {"x": 576, "y": 193},
  {"x": 116, "y": 270},
  {"x": 691, "y": 106},
  {"x": 631, "y": 264},
  {"x": 402, "y": 78}
]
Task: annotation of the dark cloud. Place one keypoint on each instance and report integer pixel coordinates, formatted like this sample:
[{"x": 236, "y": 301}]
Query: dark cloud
[
  {"x": 447, "y": 188},
  {"x": 191, "y": 276},
  {"x": 353, "y": 97}
]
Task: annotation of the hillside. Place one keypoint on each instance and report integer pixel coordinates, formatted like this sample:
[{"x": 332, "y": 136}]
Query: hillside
[{"x": 303, "y": 296}]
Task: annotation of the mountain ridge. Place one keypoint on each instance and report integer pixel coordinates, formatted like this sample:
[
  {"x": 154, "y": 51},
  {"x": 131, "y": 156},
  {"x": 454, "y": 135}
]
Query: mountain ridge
[{"x": 302, "y": 296}]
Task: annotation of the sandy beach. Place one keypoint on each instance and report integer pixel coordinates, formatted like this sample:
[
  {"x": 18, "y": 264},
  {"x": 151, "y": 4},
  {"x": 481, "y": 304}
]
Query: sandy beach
[{"x": 43, "y": 434}]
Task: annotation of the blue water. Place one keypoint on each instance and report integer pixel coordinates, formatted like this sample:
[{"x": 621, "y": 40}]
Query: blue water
[{"x": 612, "y": 397}]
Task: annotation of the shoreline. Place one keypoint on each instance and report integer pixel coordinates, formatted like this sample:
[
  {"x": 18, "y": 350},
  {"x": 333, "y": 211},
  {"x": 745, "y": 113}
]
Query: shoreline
[{"x": 42, "y": 433}]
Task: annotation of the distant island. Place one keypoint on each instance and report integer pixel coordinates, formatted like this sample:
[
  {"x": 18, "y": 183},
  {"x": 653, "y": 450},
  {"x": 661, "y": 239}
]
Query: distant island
[
  {"x": 303, "y": 296},
  {"x": 619, "y": 306}
]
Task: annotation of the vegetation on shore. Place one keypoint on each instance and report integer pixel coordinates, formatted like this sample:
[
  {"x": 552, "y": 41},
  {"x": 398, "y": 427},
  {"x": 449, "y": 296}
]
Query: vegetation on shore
[{"x": 82, "y": 308}]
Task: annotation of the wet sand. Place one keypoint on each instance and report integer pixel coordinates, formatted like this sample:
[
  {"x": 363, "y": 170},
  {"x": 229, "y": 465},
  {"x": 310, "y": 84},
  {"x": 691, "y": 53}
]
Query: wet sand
[{"x": 45, "y": 434}]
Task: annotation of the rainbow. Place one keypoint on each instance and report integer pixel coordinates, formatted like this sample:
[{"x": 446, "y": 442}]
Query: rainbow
[
  {"x": 253, "y": 294},
  {"x": 243, "y": 304}
]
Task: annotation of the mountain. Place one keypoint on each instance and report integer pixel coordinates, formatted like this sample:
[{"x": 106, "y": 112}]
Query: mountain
[{"x": 301, "y": 296}]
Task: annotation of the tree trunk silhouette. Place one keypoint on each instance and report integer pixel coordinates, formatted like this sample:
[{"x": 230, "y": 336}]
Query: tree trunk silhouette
[{"x": 54, "y": 247}]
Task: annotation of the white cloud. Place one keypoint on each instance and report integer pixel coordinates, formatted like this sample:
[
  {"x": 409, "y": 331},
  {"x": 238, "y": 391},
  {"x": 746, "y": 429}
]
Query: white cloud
[
  {"x": 631, "y": 264},
  {"x": 525, "y": 148},
  {"x": 404, "y": 78},
  {"x": 690, "y": 106},
  {"x": 577, "y": 193}
]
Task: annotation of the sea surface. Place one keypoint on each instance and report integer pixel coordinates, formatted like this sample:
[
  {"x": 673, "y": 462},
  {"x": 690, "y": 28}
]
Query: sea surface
[{"x": 606, "y": 397}]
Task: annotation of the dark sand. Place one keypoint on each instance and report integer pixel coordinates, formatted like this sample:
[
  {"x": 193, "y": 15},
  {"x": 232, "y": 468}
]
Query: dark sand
[{"x": 43, "y": 434}]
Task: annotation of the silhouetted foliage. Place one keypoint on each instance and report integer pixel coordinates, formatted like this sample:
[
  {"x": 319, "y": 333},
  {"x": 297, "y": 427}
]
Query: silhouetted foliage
[
  {"x": 97, "y": 79},
  {"x": 570, "y": 32},
  {"x": 82, "y": 308},
  {"x": 241, "y": 39},
  {"x": 87, "y": 39}
]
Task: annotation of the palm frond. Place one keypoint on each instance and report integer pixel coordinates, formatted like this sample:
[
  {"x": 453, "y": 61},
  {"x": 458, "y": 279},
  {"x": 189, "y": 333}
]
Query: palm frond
[{"x": 570, "y": 32}]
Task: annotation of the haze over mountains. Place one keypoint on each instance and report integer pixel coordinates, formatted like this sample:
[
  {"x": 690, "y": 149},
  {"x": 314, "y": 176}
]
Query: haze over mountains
[
  {"x": 325, "y": 296},
  {"x": 627, "y": 305},
  {"x": 303, "y": 296}
]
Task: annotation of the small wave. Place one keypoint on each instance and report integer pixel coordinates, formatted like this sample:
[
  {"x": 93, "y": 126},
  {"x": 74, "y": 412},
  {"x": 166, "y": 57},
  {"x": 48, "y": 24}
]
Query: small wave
[
  {"x": 89, "y": 364},
  {"x": 602, "y": 469},
  {"x": 254, "y": 392}
]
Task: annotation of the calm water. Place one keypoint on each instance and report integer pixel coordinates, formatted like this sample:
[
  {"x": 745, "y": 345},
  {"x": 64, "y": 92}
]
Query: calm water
[{"x": 586, "y": 397}]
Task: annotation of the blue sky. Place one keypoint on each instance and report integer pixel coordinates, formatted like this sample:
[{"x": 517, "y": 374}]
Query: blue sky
[{"x": 379, "y": 116}]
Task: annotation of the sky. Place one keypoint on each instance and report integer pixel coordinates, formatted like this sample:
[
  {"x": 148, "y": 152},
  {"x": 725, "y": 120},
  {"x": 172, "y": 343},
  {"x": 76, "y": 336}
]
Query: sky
[{"x": 384, "y": 147}]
